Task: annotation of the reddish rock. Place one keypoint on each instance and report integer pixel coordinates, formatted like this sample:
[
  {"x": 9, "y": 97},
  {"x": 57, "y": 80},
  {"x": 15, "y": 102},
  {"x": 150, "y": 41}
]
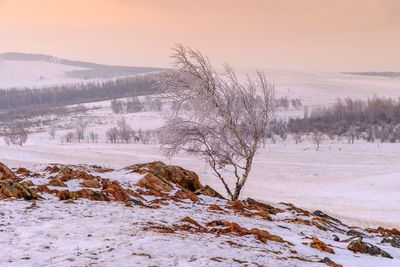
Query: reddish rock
[
  {"x": 191, "y": 221},
  {"x": 151, "y": 181},
  {"x": 330, "y": 262},
  {"x": 44, "y": 189},
  {"x": 23, "y": 172},
  {"x": 116, "y": 192},
  {"x": 208, "y": 191},
  {"x": 6, "y": 173},
  {"x": 256, "y": 205},
  {"x": 10, "y": 187},
  {"x": 91, "y": 195},
  {"x": 265, "y": 236},
  {"x": 57, "y": 182},
  {"x": 359, "y": 246},
  {"x": 64, "y": 195},
  {"x": 215, "y": 207},
  {"x": 91, "y": 184},
  {"x": 318, "y": 244},
  {"x": 298, "y": 221},
  {"x": 184, "y": 194},
  {"x": 384, "y": 231},
  {"x": 66, "y": 173},
  {"x": 174, "y": 174},
  {"x": 52, "y": 169}
]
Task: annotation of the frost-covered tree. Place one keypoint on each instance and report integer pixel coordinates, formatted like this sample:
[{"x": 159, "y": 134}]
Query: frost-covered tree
[
  {"x": 228, "y": 119},
  {"x": 17, "y": 135},
  {"x": 125, "y": 131},
  {"x": 80, "y": 128},
  {"x": 112, "y": 135},
  {"x": 317, "y": 138},
  {"x": 93, "y": 137}
]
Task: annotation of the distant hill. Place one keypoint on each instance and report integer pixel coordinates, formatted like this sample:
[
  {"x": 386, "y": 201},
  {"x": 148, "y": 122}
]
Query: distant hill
[
  {"x": 35, "y": 70},
  {"x": 389, "y": 74}
]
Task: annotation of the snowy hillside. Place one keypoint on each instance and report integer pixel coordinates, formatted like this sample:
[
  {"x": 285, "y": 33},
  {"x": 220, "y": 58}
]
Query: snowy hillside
[
  {"x": 160, "y": 215},
  {"x": 26, "y": 70},
  {"x": 320, "y": 88}
]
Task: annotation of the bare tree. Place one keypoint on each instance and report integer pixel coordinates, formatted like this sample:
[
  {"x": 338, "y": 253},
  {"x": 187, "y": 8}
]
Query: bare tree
[
  {"x": 297, "y": 137},
  {"x": 93, "y": 137},
  {"x": 16, "y": 135},
  {"x": 351, "y": 134},
  {"x": 317, "y": 138},
  {"x": 125, "y": 131},
  {"x": 80, "y": 127},
  {"x": 332, "y": 136},
  {"x": 117, "y": 106},
  {"x": 52, "y": 132},
  {"x": 228, "y": 119},
  {"x": 133, "y": 105},
  {"x": 69, "y": 137},
  {"x": 152, "y": 104},
  {"x": 112, "y": 135}
]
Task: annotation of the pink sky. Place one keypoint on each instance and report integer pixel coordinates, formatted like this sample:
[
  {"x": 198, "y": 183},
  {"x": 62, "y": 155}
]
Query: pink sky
[{"x": 336, "y": 35}]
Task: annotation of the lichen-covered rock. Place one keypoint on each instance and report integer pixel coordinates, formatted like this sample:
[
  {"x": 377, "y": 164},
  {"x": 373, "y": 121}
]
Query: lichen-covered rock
[
  {"x": 67, "y": 173},
  {"x": 91, "y": 184},
  {"x": 57, "y": 182},
  {"x": 174, "y": 174},
  {"x": 10, "y": 187},
  {"x": 330, "y": 262},
  {"x": 384, "y": 231},
  {"x": 14, "y": 189},
  {"x": 358, "y": 246},
  {"x": 64, "y": 195},
  {"x": 153, "y": 182},
  {"x": 208, "y": 191},
  {"x": 6, "y": 173},
  {"x": 318, "y": 244}
]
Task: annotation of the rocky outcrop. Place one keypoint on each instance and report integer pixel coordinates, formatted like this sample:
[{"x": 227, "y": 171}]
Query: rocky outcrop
[
  {"x": 91, "y": 184},
  {"x": 218, "y": 227},
  {"x": 6, "y": 173},
  {"x": 174, "y": 174},
  {"x": 318, "y": 244},
  {"x": 394, "y": 241},
  {"x": 155, "y": 183},
  {"x": 66, "y": 173},
  {"x": 384, "y": 231},
  {"x": 10, "y": 187},
  {"x": 208, "y": 191},
  {"x": 359, "y": 246}
]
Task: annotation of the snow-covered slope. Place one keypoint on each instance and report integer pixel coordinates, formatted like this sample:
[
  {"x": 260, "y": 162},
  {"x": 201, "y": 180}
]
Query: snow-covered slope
[
  {"x": 144, "y": 216},
  {"x": 30, "y": 70},
  {"x": 320, "y": 88}
]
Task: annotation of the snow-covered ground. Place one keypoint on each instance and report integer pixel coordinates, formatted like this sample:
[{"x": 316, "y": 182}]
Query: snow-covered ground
[
  {"x": 168, "y": 230},
  {"x": 30, "y": 74},
  {"x": 321, "y": 88},
  {"x": 356, "y": 182}
]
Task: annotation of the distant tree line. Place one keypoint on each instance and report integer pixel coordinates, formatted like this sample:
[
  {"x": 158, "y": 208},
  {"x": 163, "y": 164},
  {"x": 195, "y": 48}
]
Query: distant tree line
[
  {"x": 63, "y": 95},
  {"x": 389, "y": 74},
  {"x": 284, "y": 103},
  {"x": 121, "y": 133},
  {"x": 376, "y": 118},
  {"x": 134, "y": 105}
]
